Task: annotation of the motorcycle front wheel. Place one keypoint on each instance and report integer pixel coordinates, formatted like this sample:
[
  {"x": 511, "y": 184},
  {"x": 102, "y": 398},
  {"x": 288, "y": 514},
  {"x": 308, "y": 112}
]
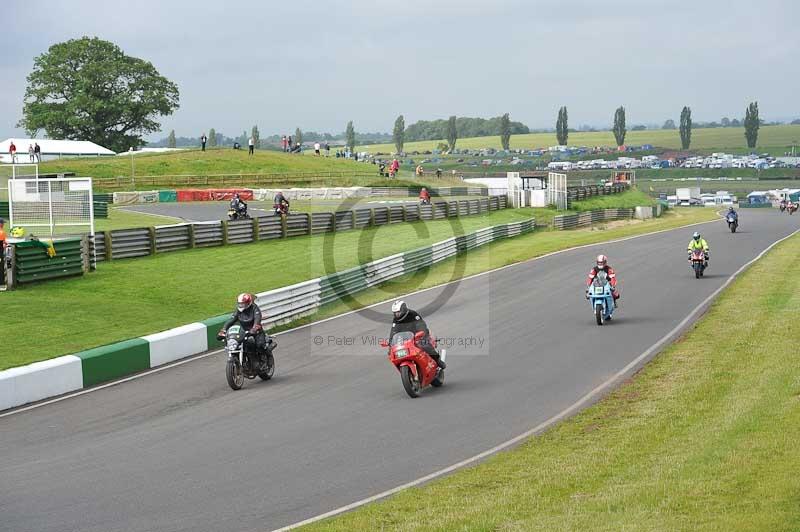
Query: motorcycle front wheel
[
  {"x": 599, "y": 314},
  {"x": 409, "y": 382},
  {"x": 233, "y": 372},
  {"x": 697, "y": 272}
]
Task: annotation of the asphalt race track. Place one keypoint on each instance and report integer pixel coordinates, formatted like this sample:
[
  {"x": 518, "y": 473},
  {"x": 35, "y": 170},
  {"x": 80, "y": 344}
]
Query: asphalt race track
[{"x": 178, "y": 450}]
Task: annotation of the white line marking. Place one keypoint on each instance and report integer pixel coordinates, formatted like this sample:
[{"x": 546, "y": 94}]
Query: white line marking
[
  {"x": 210, "y": 353},
  {"x": 581, "y": 403}
]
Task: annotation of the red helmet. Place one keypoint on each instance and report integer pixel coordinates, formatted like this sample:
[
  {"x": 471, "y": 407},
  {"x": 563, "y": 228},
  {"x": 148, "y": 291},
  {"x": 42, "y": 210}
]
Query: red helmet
[
  {"x": 244, "y": 301},
  {"x": 602, "y": 261}
]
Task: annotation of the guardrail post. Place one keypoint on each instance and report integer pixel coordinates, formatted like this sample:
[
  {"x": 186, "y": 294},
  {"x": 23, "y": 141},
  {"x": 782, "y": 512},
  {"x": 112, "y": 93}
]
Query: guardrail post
[
  {"x": 308, "y": 224},
  {"x": 190, "y": 229},
  {"x": 108, "y": 244},
  {"x": 255, "y": 229},
  {"x": 446, "y": 209},
  {"x": 405, "y": 214},
  {"x": 152, "y": 231},
  {"x": 284, "y": 225},
  {"x": 372, "y": 217},
  {"x": 354, "y": 217},
  {"x": 224, "y": 232}
]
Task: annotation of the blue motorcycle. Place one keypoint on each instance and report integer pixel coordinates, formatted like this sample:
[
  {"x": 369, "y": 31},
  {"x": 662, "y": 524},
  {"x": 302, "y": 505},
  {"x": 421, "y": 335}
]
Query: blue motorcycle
[{"x": 601, "y": 298}]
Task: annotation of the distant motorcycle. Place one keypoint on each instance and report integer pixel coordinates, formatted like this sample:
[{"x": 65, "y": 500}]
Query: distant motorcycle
[
  {"x": 239, "y": 365},
  {"x": 601, "y": 298},
  {"x": 791, "y": 208},
  {"x": 698, "y": 260},
  {"x": 238, "y": 214},
  {"x": 417, "y": 369},
  {"x": 281, "y": 209},
  {"x": 733, "y": 222}
]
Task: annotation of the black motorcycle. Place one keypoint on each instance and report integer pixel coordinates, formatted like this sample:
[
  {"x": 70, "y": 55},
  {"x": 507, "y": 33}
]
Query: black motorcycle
[{"x": 240, "y": 365}]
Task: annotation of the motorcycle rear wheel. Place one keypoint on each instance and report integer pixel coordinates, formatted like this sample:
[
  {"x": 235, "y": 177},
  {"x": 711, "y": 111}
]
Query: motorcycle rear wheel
[
  {"x": 598, "y": 314},
  {"x": 409, "y": 382},
  {"x": 233, "y": 372},
  {"x": 270, "y": 371}
]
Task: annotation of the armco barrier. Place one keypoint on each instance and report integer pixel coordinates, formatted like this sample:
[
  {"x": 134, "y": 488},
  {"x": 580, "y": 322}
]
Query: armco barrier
[
  {"x": 584, "y": 219},
  {"x": 33, "y": 264},
  {"x": 41, "y": 380},
  {"x": 144, "y": 241}
]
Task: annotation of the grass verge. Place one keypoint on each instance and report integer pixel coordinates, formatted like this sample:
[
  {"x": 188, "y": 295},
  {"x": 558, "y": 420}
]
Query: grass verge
[{"x": 703, "y": 438}]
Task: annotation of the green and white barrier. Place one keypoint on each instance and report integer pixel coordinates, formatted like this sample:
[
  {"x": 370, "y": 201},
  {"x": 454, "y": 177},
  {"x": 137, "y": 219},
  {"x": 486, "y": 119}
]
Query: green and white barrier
[{"x": 41, "y": 380}]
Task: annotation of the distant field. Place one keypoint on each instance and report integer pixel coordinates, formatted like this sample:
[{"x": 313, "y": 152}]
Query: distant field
[{"x": 721, "y": 139}]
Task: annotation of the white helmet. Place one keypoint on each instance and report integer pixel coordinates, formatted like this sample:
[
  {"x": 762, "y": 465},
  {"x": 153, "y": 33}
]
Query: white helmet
[
  {"x": 399, "y": 309},
  {"x": 602, "y": 261}
]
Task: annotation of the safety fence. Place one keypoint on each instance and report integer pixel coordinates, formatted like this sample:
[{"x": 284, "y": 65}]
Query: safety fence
[
  {"x": 100, "y": 209},
  {"x": 33, "y": 261},
  {"x": 583, "y": 192},
  {"x": 68, "y": 373},
  {"x": 587, "y": 218},
  {"x": 143, "y": 241}
]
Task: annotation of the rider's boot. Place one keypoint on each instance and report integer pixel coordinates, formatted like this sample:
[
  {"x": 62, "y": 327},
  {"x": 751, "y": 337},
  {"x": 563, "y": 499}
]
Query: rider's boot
[{"x": 440, "y": 362}]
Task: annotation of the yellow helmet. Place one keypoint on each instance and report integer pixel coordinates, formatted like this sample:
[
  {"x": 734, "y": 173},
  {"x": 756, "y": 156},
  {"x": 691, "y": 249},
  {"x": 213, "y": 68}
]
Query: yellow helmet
[{"x": 17, "y": 232}]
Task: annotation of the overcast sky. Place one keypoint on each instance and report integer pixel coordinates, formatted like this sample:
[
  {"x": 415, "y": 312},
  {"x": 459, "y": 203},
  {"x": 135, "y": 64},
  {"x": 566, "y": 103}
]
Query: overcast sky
[{"x": 317, "y": 65}]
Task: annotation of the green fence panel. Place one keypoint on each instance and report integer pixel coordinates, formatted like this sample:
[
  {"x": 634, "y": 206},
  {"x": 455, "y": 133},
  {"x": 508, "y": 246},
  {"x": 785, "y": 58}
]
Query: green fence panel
[
  {"x": 4, "y": 210},
  {"x": 339, "y": 285},
  {"x": 417, "y": 259},
  {"x": 33, "y": 264},
  {"x": 113, "y": 361},
  {"x": 167, "y": 196},
  {"x": 213, "y": 325},
  {"x": 100, "y": 209}
]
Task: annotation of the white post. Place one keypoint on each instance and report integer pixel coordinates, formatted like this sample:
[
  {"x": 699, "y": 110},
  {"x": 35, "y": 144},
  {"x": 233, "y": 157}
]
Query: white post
[{"x": 50, "y": 205}]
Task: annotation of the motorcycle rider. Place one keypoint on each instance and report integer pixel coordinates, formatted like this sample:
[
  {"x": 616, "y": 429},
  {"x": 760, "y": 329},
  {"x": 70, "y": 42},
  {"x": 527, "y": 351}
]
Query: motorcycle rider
[
  {"x": 698, "y": 242},
  {"x": 424, "y": 196},
  {"x": 248, "y": 315},
  {"x": 732, "y": 212},
  {"x": 407, "y": 320},
  {"x": 280, "y": 203},
  {"x": 601, "y": 265},
  {"x": 238, "y": 206}
]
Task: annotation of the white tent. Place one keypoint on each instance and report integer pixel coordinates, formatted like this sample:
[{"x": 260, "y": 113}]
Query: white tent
[{"x": 52, "y": 149}]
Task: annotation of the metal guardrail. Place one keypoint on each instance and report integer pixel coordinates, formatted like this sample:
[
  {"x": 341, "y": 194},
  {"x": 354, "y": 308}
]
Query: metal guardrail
[
  {"x": 578, "y": 193},
  {"x": 584, "y": 219},
  {"x": 144, "y": 241},
  {"x": 286, "y": 304}
]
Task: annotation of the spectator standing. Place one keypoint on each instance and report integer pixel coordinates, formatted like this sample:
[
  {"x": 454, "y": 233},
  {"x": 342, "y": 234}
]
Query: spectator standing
[
  {"x": 12, "y": 150},
  {"x": 283, "y": 142},
  {"x": 394, "y": 167},
  {"x": 203, "y": 140},
  {"x": 438, "y": 172},
  {"x": 316, "y": 149},
  {"x": 327, "y": 149},
  {"x": 30, "y": 152},
  {"x": 419, "y": 171},
  {"x": 37, "y": 150},
  {"x": 289, "y": 143},
  {"x": 251, "y": 145}
]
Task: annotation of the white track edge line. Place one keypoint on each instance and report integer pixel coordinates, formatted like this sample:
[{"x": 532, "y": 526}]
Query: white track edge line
[
  {"x": 579, "y": 404},
  {"x": 191, "y": 358}
]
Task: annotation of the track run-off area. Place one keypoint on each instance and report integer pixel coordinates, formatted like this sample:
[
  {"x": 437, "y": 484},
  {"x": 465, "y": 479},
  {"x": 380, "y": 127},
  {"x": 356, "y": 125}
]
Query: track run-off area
[{"x": 178, "y": 450}]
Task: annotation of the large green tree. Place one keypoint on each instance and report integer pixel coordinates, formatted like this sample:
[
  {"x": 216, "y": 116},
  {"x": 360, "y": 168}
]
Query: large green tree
[
  {"x": 212, "y": 137},
  {"x": 399, "y": 133},
  {"x": 171, "y": 139},
  {"x": 88, "y": 89},
  {"x": 619, "y": 128},
  {"x": 256, "y": 136},
  {"x": 350, "y": 136},
  {"x": 562, "y": 127},
  {"x": 452, "y": 132},
  {"x": 686, "y": 127},
  {"x": 505, "y": 131},
  {"x": 298, "y": 136},
  {"x": 751, "y": 124}
]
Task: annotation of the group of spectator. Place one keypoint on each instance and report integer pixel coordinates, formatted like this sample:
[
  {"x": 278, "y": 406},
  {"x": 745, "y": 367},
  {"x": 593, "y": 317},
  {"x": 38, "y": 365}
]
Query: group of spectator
[
  {"x": 34, "y": 152},
  {"x": 318, "y": 147},
  {"x": 251, "y": 144},
  {"x": 288, "y": 146}
]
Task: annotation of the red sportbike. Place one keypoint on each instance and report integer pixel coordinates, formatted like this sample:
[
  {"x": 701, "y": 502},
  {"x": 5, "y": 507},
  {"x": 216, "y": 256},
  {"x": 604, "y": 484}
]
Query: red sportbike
[{"x": 417, "y": 369}]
